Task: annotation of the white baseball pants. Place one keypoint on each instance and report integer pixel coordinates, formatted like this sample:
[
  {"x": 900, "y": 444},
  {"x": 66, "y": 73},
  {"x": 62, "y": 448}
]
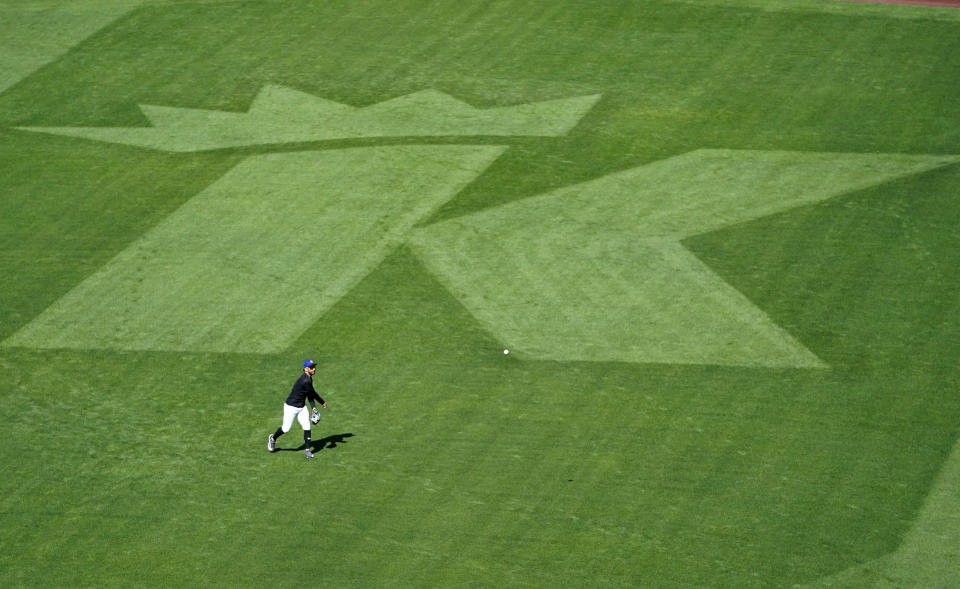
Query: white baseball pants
[{"x": 301, "y": 413}]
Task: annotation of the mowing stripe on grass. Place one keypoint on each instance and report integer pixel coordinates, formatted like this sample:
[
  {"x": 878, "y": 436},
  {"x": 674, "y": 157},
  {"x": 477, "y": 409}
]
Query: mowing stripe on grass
[
  {"x": 928, "y": 556},
  {"x": 930, "y": 552},
  {"x": 283, "y": 115},
  {"x": 906, "y": 9},
  {"x": 596, "y": 271},
  {"x": 36, "y": 34},
  {"x": 252, "y": 261}
]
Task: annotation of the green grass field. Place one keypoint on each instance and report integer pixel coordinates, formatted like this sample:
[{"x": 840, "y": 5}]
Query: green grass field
[{"x": 719, "y": 239}]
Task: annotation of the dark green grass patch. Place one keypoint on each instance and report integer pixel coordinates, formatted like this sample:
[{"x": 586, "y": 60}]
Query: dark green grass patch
[
  {"x": 443, "y": 461},
  {"x": 864, "y": 280}
]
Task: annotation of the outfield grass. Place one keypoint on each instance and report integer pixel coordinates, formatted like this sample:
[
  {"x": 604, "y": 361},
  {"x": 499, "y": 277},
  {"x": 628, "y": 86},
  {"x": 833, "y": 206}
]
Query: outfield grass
[{"x": 799, "y": 429}]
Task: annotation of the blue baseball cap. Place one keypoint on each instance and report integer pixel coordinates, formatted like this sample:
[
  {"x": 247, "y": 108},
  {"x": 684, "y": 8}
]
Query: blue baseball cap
[{"x": 309, "y": 364}]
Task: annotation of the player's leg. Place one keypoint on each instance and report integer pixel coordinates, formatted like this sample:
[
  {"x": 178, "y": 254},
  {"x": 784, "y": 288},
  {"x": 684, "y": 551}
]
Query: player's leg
[
  {"x": 288, "y": 414},
  {"x": 304, "y": 418}
]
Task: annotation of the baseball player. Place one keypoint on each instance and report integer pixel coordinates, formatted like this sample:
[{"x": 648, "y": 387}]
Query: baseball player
[{"x": 295, "y": 406}]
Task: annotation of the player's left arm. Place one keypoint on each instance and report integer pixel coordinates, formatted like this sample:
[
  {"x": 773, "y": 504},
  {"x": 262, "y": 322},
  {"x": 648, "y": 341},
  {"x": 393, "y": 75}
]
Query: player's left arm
[{"x": 313, "y": 396}]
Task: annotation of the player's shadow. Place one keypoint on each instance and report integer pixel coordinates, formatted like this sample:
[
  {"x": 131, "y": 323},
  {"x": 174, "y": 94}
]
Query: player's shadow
[
  {"x": 329, "y": 442},
  {"x": 317, "y": 445}
]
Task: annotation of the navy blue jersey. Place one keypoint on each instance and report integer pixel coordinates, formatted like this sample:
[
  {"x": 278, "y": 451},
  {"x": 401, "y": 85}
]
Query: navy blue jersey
[{"x": 303, "y": 390}]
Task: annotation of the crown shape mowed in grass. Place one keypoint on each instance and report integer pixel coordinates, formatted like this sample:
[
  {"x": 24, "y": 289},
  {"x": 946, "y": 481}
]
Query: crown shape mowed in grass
[{"x": 282, "y": 115}]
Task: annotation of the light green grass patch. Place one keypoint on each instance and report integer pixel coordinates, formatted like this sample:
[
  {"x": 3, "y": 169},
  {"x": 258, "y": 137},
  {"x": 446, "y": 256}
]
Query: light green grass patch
[
  {"x": 838, "y": 7},
  {"x": 596, "y": 271},
  {"x": 249, "y": 263},
  {"x": 282, "y": 115}
]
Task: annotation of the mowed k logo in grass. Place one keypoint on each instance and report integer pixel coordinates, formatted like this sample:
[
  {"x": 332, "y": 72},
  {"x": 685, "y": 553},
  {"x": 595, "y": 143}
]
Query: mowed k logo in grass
[{"x": 594, "y": 271}]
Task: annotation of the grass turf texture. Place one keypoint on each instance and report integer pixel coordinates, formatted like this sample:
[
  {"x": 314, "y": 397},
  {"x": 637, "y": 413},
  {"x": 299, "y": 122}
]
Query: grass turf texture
[{"x": 452, "y": 464}]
